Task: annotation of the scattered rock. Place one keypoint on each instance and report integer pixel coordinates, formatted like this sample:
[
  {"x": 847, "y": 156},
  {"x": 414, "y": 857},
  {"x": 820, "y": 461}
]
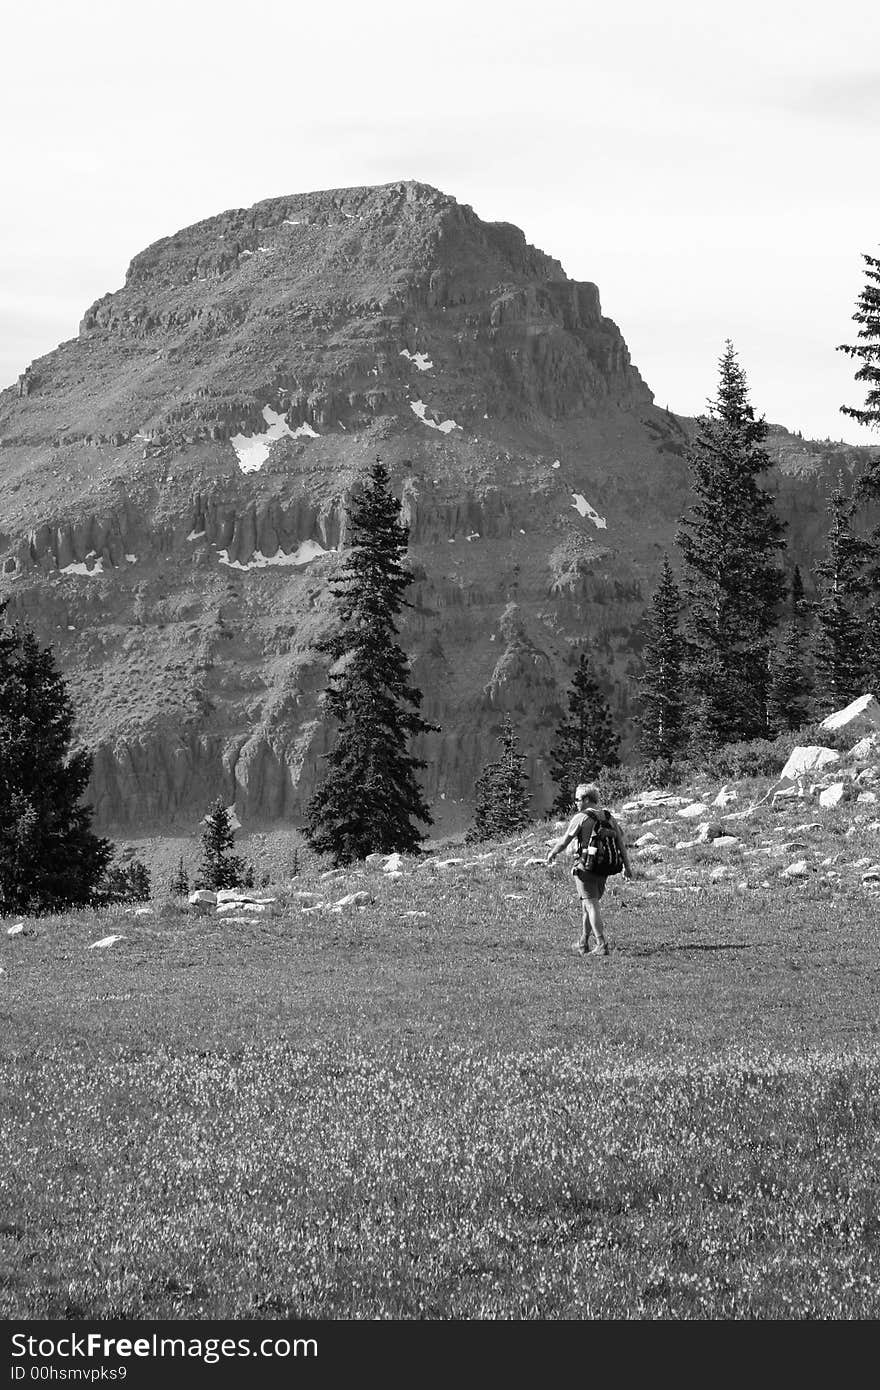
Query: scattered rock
[
  {"x": 725, "y": 796},
  {"x": 16, "y": 930},
  {"x": 203, "y": 895},
  {"x": 724, "y": 842},
  {"x": 649, "y": 838},
  {"x": 392, "y": 864},
  {"x": 799, "y": 869},
  {"x": 863, "y": 712},
  {"x": 352, "y": 900},
  {"x": 833, "y": 795},
  {"x": 695, "y": 809},
  {"x": 807, "y": 759},
  {"x": 867, "y": 747},
  {"x": 104, "y": 942},
  {"x": 789, "y": 789}
]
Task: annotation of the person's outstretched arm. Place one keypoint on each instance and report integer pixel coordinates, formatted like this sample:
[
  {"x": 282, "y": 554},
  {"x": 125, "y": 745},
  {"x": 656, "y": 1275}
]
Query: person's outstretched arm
[{"x": 561, "y": 843}]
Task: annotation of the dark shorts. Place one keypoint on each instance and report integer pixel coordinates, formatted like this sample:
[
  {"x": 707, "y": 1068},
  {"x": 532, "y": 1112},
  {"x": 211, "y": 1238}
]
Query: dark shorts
[{"x": 589, "y": 885}]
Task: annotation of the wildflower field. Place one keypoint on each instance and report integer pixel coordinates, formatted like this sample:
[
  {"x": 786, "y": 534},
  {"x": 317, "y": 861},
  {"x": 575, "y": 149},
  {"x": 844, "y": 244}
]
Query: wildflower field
[{"x": 428, "y": 1107}]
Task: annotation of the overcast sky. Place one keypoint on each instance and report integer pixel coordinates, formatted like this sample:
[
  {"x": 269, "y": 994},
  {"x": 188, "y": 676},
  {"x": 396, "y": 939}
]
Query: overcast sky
[{"x": 712, "y": 168}]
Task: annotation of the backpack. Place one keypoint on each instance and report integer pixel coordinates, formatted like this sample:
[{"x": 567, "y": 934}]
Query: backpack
[{"x": 601, "y": 855}]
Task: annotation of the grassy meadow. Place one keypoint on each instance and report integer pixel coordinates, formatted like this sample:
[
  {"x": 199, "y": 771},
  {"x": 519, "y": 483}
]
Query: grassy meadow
[{"x": 429, "y": 1107}]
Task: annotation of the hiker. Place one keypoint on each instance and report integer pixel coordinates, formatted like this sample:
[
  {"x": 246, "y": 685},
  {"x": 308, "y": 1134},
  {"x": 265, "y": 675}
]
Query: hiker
[{"x": 601, "y": 851}]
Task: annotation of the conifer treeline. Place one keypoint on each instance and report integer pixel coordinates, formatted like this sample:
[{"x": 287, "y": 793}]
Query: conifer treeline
[{"x": 735, "y": 651}]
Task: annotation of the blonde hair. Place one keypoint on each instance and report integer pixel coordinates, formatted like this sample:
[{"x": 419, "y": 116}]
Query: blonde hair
[{"x": 588, "y": 790}]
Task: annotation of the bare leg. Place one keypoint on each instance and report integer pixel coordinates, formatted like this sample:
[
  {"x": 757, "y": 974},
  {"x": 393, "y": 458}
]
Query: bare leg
[{"x": 593, "y": 911}]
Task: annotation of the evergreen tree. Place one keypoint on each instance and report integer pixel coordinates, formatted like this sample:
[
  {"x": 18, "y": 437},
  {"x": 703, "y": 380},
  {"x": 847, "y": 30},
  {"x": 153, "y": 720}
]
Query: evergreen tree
[
  {"x": 123, "y": 883},
  {"x": 867, "y": 349},
  {"x": 140, "y": 886},
  {"x": 220, "y": 867},
  {"x": 585, "y": 741},
  {"x": 730, "y": 540},
  {"x": 179, "y": 884},
  {"x": 792, "y": 682},
  {"x": 867, "y": 315},
  {"x": 662, "y": 683},
  {"x": 841, "y": 656},
  {"x": 49, "y": 857},
  {"x": 501, "y": 798},
  {"x": 370, "y": 798}
]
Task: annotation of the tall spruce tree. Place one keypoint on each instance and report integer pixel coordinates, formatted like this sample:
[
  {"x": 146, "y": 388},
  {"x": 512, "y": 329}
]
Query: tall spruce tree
[
  {"x": 49, "y": 857},
  {"x": 220, "y": 866},
  {"x": 501, "y": 798},
  {"x": 841, "y": 655},
  {"x": 730, "y": 540},
  {"x": 792, "y": 681},
  {"x": 370, "y": 799},
  {"x": 663, "y": 722},
  {"x": 867, "y": 349},
  {"x": 585, "y": 741}
]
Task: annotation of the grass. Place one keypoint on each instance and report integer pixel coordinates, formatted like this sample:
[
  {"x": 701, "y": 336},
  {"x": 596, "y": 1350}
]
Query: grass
[{"x": 380, "y": 1114}]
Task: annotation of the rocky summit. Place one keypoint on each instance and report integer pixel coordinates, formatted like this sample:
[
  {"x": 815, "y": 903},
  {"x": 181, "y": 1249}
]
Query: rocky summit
[{"x": 174, "y": 484}]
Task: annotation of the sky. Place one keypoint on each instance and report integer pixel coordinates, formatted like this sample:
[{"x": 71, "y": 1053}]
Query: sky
[{"x": 711, "y": 168}]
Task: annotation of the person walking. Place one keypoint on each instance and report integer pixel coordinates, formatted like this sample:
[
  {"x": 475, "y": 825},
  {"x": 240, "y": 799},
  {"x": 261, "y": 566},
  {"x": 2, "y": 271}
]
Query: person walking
[{"x": 601, "y": 851}]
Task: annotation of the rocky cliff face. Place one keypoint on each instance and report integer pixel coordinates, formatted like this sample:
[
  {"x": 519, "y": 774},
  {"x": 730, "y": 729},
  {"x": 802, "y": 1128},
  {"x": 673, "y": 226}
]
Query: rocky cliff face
[{"x": 174, "y": 485}]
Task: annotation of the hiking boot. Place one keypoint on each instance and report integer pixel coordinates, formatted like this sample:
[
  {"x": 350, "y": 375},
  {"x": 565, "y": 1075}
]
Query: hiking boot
[
  {"x": 580, "y": 947},
  {"x": 600, "y": 949}
]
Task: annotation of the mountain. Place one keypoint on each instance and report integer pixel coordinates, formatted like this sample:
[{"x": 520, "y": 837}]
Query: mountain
[{"x": 174, "y": 482}]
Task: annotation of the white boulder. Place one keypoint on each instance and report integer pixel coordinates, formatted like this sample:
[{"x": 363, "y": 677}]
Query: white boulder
[
  {"x": 725, "y": 796},
  {"x": 867, "y": 747},
  {"x": 392, "y": 864},
  {"x": 725, "y": 841},
  {"x": 353, "y": 900},
  {"x": 203, "y": 895},
  {"x": 833, "y": 795},
  {"x": 799, "y": 869},
  {"x": 808, "y": 759},
  {"x": 696, "y": 808},
  {"x": 863, "y": 713}
]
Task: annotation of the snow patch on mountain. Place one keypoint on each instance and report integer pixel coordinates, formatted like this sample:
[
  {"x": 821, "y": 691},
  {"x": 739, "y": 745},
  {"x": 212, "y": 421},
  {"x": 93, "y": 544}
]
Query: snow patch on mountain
[
  {"x": 444, "y": 426},
  {"x": 253, "y": 450},
  {"x": 419, "y": 359},
  {"x": 581, "y": 505},
  {"x": 306, "y": 551},
  {"x": 80, "y": 567}
]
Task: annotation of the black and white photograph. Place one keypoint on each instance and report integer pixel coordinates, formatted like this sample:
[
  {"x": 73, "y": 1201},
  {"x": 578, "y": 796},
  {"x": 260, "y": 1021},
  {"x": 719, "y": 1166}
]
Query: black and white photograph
[{"x": 439, "y": 678}]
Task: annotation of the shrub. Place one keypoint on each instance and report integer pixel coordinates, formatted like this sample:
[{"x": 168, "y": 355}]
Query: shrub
[
  {"x": 123, "y": 883},
  {"x": 179, "y": 885}
]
